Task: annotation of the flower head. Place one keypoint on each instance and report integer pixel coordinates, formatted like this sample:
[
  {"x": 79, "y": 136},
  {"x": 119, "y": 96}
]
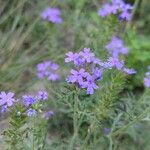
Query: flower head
[
  {"x": 129, "y": 71},
  {"x": 116, "y": 47},
  {"x": 116, "y": 7},
  {"x": 29, "y": 100},
  {"x": 4, "y": 109},
  {"x": 147, "y": 78},
  {"x": 106, "y": 131},
  {"x": 88, "y": 70},
  {"x": 48, "y": 69},
  {"x": 90, "y": 84},
  {"x": 97, "y": 73},
  {"x": 73, "y": 57},
  {"x": 114, "y": 63},
  {"x": 31, "y": 112},
  {"x": 52, "y": 15},
  {"x": 42, "y": 95},
  {"x": 119, "y": 65},
  {"x": 48, "y": 114},
  {"x": 105, "y": 10},
  {"x": 87, "y": 55},
  {"x": 77, "y": 76},
  {"x": 7, "y": 98},
  {"x": 147, "y": 82}
]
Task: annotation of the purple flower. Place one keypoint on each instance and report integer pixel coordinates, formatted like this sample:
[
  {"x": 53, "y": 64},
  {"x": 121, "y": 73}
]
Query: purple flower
[
  {"x": 53, "y": 77},
  {"x": 105, "y": 10},
  {"x": 7, "y": 98},
  {"x": 119, "y": 65},
  {"x": 129, "y": 71},
  {"x": 97, "y": 73},
  {"x": 87, "y": 55},
  {"x": 106, "y": 131},
  {"x": 116, "y": 7},
  {"x": 125, "y": 15},
  {"x": 147, "y": 82},
  {"x": 116, "y": 47},
  {"x": 114, "y": 63},
  {"x": 48, "y": 114},
  {"x": 31, "y": 112},
  {"x": 73, "y": 57},
  {"x": 147, "y": 78},
  {"x": 89, "y": 69},
  {"x": 90, "y": 84},
  {"x": 54, "y": 66},
  {"x": 77, "y": 76},
  {"x": 29, "y": 100},
  {"x": 48, "y": 69},
  {"x": 42, "y": 95},
  {"x": 4, "y": 109},
  {"x": 52, "y": 15}
]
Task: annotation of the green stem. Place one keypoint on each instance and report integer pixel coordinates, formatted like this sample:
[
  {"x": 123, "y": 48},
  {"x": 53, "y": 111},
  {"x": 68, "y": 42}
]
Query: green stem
[
  {"x": 33, "y": 144},
  {"x": 45, "y": 135},
  {"x": 75, "y": 122},
  {"x": 110, "y": 143}
]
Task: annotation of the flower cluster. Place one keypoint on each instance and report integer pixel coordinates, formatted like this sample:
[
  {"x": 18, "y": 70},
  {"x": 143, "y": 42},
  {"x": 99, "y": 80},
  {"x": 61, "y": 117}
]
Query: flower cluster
[
  {"x": 88, "y": 70},
  {"x": 147, "y": 78},
  {"x": 33, "y": 103},
  {"x": 117, "y": 7},
  {"x": 48, "y": 69},
  {"x": 116, "y": 47},
  {"x": 114, "y": 62},
  {"x": 52, "y": 15},
  {"x": 6, "y": 100}
]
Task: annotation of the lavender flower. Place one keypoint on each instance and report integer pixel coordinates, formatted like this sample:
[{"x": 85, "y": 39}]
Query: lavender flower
[
  {"x": 125, "y": 15},
  {"x": 4, "y": 109},
  {"x": 106, "y": 10},
  {"x": 88, "y": 70},
  {"x": 129, "y": 71},
  {"x": 147, "y": 82},
  {"x": 52, "y": 15},
  {"x": 7, "y": 99},
  {"x": 147, "y": 78},
  {"x": 77, "y": 76},
  {"x": 114, "y": 63},
  {"x": 53, "y": 77},
  {"x": 119, "y": 65},
  {"x": 87, "y": 55},
  {"x": 31, "y": 112},
  {"x": 29, "y": 100},
  {"x": 89, "y": 84},
  {"x": 97, "y": 73},
  {"x": 34, "y": 103},
  {"x": 73, "y": 57},
  {"x": 42, "y": 95},
  {"x": 83, "y": 57},
  {"x": 116, "y": 7},
  {"x": 48, "y": 69},
  {"x": 106, "y": 131},
  {"x": 48, "y": 114},
  {"x": 116, "y": 47}
]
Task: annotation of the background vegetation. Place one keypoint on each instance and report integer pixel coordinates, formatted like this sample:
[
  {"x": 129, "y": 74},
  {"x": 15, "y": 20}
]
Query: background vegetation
[{"x": 122, "y": 105}]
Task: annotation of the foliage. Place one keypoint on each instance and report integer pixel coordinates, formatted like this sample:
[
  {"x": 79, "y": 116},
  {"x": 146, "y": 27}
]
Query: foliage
[{"x": 115, "y": 117}]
